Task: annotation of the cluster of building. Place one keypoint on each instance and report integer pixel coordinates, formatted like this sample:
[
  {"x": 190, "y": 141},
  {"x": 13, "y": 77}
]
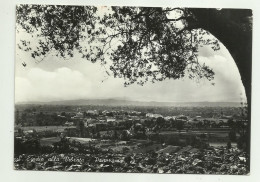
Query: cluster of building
[
  {"x": 177, "y": 143},
  {"x": 125, "y": 125}
]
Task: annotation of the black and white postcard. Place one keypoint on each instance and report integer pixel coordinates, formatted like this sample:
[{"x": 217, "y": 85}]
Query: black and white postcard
[{"x": 133, "y": 89}]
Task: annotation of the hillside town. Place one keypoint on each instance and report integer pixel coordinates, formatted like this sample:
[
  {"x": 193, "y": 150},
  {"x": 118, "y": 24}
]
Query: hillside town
[{"x": 146, "y": 141}]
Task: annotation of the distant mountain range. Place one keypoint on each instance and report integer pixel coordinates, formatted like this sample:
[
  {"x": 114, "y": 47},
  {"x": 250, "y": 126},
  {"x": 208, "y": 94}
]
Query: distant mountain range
[{"x": 123, "y": 102}]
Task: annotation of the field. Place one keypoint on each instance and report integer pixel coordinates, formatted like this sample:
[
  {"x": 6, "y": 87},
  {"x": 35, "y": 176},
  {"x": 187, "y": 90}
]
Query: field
[
  {"x": 222, "y": 134},
  {"x": 219, "y": 144},
  {"x": 49, "y": 141},
  {"x": 81, "y": 140},
  {"x": 44, "y": 128}
]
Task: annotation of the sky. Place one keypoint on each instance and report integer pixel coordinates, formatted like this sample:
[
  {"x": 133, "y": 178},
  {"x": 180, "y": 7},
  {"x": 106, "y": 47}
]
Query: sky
[{"x": 56, "y": 79}]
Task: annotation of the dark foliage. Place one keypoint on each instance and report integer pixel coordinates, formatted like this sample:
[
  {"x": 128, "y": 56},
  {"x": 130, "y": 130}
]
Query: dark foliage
[
  {"x": 29, "y": 146},
  {"x": 143, "y": 43}
]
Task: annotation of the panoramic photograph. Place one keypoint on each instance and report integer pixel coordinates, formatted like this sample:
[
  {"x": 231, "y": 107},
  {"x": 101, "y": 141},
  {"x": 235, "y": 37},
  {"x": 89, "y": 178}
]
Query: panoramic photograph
[{"x": 133, "y": 89}]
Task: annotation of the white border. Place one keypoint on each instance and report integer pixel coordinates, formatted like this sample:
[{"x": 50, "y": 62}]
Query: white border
[{"x": 7, "y": 49}]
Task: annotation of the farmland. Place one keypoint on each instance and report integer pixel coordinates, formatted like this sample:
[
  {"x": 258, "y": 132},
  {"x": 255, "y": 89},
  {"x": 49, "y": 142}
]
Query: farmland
[{"x": 139, "y": 138}]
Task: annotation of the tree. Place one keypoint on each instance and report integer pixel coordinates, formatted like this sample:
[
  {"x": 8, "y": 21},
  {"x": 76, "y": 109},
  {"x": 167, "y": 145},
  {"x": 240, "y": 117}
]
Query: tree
[
  {"x": 229, "y": 145},
  {"x": 160, "y": 121},
  {"x": 17, "y": 121},
  {"x": 231, "y": 123},
  {"x": 232, "y": 136},
  {"x": 81, "y": 128},
  {"x": 180, "y": 125},
  {"x": 24, "y": 118},
  {"x": 150, "y": 43},
  {"x": 144, "y": 44},
  {"x": 63, "y": 114}
]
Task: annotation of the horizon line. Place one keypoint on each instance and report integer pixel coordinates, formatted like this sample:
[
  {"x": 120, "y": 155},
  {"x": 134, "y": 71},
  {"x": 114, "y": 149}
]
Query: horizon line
[{"x": 122, "y": 99}]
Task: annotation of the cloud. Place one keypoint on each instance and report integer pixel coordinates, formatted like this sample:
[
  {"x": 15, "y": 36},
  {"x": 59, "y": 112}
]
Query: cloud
[
  {"x": 227, "y": 78},
  {"x": 40, "y": 85},
  {"x": 79, "y": 79}
]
